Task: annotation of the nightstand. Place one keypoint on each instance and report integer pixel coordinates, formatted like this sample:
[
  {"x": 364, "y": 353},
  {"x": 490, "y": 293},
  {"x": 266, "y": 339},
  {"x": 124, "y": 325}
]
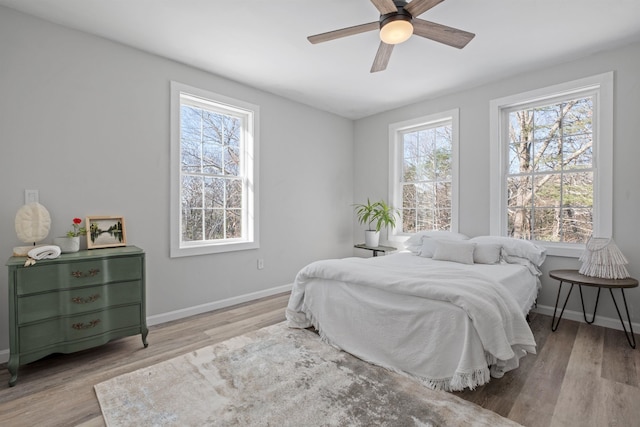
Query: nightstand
[
  {"x": 376, "y": 249},
  {"x": 575, "y": 278}
]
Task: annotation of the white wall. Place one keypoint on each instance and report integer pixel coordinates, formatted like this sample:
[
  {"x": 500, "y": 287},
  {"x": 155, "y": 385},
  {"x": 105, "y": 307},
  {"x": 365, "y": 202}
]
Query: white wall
[
  {"x": 67, "y": 97},
  {"x": 86, "y": 122},
  {"x": 371, "y": 159}
]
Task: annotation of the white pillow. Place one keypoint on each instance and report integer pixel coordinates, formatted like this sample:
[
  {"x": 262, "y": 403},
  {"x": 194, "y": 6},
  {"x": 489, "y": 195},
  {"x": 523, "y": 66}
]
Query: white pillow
[
  {"x": 428, "y": 247},
  {"x": 516, "y": 247},
  {"x": 487, "y": 253},
  {"x": 456, "y": 251},
  {"x": 414, "y": 243},
  {"x": 509, "y": 259}
]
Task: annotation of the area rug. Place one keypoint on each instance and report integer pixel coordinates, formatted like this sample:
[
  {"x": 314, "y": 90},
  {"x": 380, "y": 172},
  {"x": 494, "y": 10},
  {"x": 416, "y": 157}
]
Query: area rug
[{"x": 279, "y": 376}]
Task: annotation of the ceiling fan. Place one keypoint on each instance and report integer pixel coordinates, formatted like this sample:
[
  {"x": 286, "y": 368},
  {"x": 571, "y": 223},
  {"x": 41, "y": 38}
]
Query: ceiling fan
[{"x": 397, "y": 22}]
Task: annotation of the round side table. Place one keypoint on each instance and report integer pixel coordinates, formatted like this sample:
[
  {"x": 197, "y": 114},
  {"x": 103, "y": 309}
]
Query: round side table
[{"x": 575, "y": 278}]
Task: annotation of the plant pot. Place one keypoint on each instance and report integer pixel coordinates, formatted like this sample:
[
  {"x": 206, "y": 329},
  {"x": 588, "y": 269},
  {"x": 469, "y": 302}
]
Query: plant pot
[
  {"x": 371, "y": 238},
  {"x": 67, "y": 244}
]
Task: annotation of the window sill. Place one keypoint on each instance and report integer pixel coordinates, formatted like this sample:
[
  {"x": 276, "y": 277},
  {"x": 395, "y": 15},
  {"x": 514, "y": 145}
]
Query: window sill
[
  {"x": 567, "y": 250},
  {"x": 206, "y": 249}
]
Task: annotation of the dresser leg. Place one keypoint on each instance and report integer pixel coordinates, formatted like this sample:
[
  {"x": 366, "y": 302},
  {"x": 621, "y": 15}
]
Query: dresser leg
[
  {"x": 12, "y": 366},
  {"x": 145, "y": 332}
]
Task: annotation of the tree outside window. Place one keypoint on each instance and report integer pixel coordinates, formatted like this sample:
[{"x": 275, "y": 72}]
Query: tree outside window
[
  {"x": 552, "y": 164},
  {"x": 423, "y": 174},
  {"x": 211, "y": 175},
  {"x": 426, "y": 179},
  {"x": 550, "y": 174}
]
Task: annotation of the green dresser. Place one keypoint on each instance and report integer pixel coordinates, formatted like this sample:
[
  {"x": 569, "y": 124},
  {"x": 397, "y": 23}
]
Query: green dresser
[{"x": 74, "y": 302}]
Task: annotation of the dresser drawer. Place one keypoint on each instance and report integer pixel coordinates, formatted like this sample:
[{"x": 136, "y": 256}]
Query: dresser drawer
[
  {"x": 76, "y": 301},
  {"x": 68, "y": 329},
  {"x": 41, "y": 278}
]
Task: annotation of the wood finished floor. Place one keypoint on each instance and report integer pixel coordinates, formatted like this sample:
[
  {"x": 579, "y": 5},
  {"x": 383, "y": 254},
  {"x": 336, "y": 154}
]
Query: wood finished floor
[{"x": 582, "y": 375}]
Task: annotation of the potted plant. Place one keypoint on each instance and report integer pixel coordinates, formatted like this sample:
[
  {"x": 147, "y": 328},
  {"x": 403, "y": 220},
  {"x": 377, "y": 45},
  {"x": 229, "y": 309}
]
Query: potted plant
[
  {"x": 376, "y": 215},
  {"x": 71, "y": 242}
]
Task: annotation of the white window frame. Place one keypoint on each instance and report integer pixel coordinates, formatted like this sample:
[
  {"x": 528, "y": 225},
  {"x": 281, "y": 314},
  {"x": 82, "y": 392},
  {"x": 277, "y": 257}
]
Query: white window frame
[
  {"x": 601, "y": 88},
  {"x": 250, "y": 113},
  {"x": 395, "y": 234}
]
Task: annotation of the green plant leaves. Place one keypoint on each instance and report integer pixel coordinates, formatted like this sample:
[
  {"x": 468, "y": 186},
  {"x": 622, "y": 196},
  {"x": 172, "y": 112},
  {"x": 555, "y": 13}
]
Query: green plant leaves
[{"x": 379, "y": 213}]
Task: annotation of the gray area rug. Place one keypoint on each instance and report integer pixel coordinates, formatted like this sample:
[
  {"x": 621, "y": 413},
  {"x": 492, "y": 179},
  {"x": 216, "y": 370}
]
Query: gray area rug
[{"x": 279, "y": 376}]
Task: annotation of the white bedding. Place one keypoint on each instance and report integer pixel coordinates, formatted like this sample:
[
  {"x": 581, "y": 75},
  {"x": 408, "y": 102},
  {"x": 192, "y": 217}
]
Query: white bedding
[
  {"x": 385, "y": 311},
  {"x": 518, "y": 280}
]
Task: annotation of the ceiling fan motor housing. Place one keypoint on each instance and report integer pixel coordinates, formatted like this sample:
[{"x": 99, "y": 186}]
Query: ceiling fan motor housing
[{"x": 399, "y": 15}]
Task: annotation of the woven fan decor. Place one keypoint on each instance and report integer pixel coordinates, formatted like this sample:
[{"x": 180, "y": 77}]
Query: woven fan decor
[
  {"x": 603, "y": 259},
  {"x": 32, "y": 223}
]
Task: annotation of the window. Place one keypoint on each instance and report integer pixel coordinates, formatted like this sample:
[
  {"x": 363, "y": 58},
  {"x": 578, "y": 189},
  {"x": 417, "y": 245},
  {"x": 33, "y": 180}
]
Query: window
[
  {"x": 554, "y": 172},
  {"x": 213, "y": 165},
  {"x": 423, "y": 173}
]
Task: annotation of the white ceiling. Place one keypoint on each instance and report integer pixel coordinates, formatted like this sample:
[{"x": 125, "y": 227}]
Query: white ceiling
[{"x": 262, "y": 43}]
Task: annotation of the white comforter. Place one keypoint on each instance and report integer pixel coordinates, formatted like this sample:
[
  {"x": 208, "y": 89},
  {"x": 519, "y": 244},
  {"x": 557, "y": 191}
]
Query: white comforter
[{"x": 396, "y": 312}]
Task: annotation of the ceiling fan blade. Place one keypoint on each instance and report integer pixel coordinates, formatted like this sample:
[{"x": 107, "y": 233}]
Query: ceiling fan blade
[
  {"x": 441, "y": 33},
  {"x": 344, "y": 32},
  {"x": 385, "y": 6},
  {"x": 382, "y": 57},
  {"x": 417, "y": 7}
]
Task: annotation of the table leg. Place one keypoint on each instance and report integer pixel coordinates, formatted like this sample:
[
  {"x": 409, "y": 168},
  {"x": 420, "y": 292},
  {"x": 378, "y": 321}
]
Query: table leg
[
  {"x": 584, "y": 313},
  {"x": 554, "y": 324},
  {"x": 632, "y": 340}
]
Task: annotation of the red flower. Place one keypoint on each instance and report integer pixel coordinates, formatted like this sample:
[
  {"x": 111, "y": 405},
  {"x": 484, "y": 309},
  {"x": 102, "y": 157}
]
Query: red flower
[{"x": 77, "y": 230}]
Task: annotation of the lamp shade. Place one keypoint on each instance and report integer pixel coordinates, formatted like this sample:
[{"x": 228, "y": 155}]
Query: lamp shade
[{"x": 602, "y": 258}]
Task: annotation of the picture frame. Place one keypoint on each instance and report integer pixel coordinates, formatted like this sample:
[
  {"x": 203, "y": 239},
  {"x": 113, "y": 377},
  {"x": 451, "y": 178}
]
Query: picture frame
[{"x": 105, "y": 232}]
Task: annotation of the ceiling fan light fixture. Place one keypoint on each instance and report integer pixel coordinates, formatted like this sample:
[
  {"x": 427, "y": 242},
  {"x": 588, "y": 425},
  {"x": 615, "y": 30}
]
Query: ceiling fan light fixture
[
  {"x": 397, "y": 30},
  {"x": 398, "y": 22}
]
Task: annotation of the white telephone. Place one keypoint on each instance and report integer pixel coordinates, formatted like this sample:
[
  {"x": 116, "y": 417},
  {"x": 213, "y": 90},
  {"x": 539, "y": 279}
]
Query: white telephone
[{"x": 44, "y": 252}]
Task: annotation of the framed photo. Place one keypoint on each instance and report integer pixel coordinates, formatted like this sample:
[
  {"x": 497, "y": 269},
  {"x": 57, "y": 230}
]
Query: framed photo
[{"x": 105, "y": 232}]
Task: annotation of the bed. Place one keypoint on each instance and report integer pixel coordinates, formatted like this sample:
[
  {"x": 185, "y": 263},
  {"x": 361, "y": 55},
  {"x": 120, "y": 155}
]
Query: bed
[{"x": 433, "y": 312}]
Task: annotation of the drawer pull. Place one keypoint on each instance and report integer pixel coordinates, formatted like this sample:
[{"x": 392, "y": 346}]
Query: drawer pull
[
  {"x": 86, "y": 300},
  {"x": 79, "y": 274},
  {"x": 81, "y": 326}
]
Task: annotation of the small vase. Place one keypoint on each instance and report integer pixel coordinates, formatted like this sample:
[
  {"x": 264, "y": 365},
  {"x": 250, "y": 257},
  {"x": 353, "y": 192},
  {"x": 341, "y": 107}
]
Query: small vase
[{"x": 67, "y": 244}]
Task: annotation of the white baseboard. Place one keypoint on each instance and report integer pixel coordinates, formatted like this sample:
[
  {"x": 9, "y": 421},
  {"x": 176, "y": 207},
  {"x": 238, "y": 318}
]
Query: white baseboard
[
  {"x": 215, "y": 305},
  {"x": 607, "y": 322},
  {"x": 198, "y": 309}
]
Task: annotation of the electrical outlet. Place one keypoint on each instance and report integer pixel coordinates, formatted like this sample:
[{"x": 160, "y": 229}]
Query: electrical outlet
[
  {"x": 260, "y": 263},
  {"x": 30, "y": 196}
]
